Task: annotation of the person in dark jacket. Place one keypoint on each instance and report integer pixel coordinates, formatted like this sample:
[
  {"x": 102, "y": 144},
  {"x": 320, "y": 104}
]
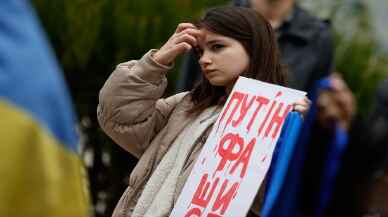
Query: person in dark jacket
[{"x": 304, "y": 40}]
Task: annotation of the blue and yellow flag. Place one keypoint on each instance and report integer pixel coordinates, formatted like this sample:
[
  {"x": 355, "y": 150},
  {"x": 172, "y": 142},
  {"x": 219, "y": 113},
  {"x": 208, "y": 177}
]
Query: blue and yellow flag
[{"x": 41, "y": 173}]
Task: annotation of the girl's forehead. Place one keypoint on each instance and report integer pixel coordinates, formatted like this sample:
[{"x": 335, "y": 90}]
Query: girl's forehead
[{"x": 207, "y": 36}]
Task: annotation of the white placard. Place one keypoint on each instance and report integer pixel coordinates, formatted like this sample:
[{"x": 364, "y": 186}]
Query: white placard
[{"x": 236, "y": 156}]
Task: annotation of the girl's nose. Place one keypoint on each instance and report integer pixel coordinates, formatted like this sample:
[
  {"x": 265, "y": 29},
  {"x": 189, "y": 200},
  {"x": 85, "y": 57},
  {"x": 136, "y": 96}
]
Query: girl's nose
[{"x": 205, "y": 59}]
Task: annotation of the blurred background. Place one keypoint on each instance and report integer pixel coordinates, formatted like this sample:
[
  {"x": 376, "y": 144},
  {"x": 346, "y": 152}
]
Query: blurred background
[{"x": 90, "y": 37}]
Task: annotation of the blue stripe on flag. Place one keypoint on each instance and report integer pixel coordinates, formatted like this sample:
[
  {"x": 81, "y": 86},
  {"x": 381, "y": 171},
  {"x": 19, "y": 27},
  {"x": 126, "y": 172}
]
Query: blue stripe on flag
[{"x": 24, "y": 56}]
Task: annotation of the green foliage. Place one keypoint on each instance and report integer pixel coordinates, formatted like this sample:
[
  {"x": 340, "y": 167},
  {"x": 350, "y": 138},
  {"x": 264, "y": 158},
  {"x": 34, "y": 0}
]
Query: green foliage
[
  {"x": 362, "y": 68},
  {"x": 359, "y": 57},
  {"x": 90, "y": 37}
]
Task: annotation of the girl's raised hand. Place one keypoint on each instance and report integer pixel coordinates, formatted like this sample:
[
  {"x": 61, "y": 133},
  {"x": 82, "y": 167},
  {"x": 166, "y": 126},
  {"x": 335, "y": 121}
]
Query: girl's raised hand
[{"x": 184, "y": 38}]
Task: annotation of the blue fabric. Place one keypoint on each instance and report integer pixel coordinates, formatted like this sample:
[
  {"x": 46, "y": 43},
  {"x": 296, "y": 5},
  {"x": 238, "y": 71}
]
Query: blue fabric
[
  {"x": 280, "y": 166},
  {"x": 336, "y": 149},
  {"x": 26, "y": 56},
  {"x": 330, "y": 170}
]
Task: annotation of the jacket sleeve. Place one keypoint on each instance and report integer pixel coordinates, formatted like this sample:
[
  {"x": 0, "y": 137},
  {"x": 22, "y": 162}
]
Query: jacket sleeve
[{"x": 130, "y": 110}]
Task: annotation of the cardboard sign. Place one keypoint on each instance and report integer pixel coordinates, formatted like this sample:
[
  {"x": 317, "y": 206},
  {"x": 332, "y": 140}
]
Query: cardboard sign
[{"x": 237, "y": 154}]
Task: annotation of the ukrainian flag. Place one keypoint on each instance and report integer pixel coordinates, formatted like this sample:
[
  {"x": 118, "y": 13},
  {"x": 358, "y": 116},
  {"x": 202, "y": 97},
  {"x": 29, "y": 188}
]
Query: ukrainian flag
[{"x": 40, "y": 171}]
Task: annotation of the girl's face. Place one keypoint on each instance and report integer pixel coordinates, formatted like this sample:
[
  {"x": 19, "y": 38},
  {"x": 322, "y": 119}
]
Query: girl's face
[{"x": 222, "y": 59}]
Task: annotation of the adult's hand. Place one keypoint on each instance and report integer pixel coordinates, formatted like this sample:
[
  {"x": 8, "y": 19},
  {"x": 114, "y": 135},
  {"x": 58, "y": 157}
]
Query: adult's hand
[{"x": 337, "y": 104}]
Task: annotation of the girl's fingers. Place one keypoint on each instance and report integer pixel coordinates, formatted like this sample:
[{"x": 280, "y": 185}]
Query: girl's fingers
[
  {"x": 307, "y": 101},
  {"x": 186, "y": 38},
  {"x": 180, "y": 48},
  {"x": 182, "y": 40},
  {"x": 183, "y": 26},
  {"x": 300, "y": 108},
  {"x": 191, "y": 31}
]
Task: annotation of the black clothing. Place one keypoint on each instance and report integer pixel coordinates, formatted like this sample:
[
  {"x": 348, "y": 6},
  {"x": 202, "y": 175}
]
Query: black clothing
[{"x": 306, "y": 48}]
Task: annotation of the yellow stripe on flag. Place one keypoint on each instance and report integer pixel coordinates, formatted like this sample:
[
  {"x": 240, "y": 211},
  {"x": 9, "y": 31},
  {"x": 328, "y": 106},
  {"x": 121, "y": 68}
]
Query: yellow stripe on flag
[{"x": 38, "y": 176}]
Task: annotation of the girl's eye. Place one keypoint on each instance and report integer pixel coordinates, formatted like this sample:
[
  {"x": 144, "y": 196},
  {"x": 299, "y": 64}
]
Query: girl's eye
[{"x": 216, "y": 47}]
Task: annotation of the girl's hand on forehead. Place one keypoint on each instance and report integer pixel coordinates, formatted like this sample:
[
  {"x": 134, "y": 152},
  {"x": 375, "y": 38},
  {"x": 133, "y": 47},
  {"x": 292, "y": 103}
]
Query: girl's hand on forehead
[{"x": 183, "y": 39}]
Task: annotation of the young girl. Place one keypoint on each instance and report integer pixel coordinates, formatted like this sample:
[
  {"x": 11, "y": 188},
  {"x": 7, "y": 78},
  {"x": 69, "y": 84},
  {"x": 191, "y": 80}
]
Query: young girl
[{"x": 167, "y": 134}]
